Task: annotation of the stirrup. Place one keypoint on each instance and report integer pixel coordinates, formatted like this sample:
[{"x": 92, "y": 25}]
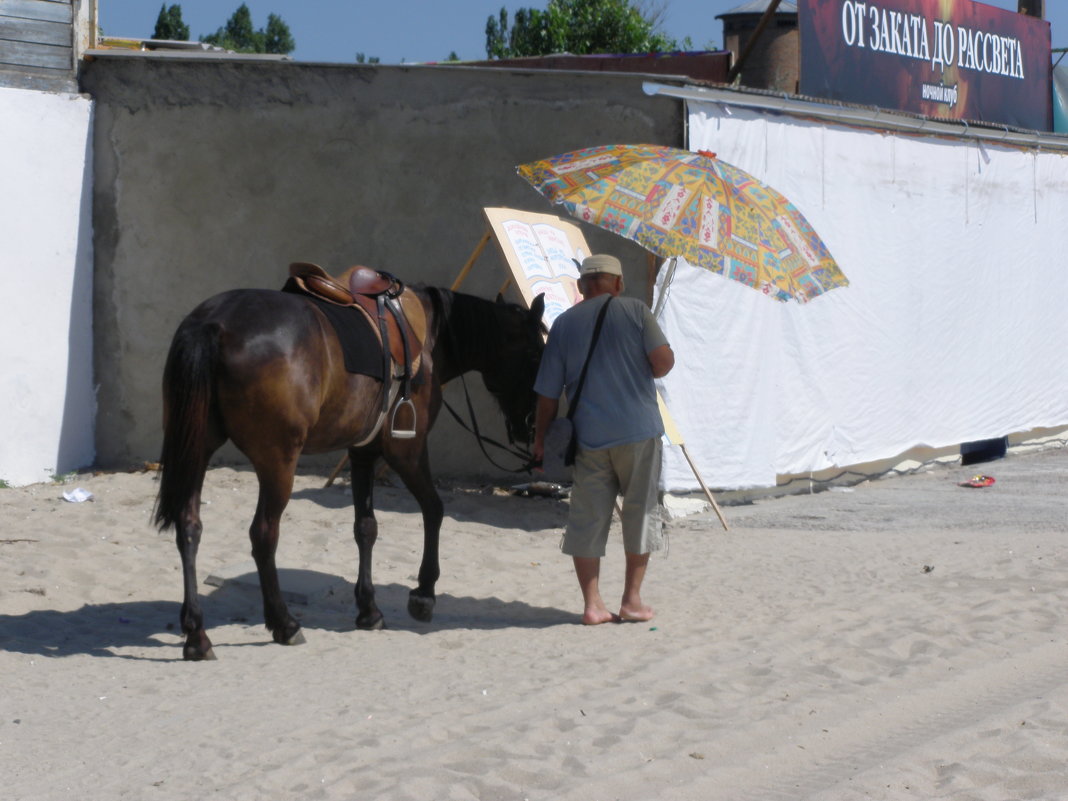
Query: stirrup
[{"x": 402, "y": 433}]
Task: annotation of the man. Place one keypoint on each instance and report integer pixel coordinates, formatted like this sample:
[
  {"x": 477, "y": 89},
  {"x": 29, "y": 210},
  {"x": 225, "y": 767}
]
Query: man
[{"x": 618, "y": 425}]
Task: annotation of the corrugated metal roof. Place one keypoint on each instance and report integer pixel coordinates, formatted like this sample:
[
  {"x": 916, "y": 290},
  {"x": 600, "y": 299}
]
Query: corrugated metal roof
[{"x": 759, "y": 7}]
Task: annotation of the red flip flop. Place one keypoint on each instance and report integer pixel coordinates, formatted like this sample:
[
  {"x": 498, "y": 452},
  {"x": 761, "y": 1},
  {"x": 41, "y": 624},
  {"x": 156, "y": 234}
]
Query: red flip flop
[{"x": 977, "y": 481}]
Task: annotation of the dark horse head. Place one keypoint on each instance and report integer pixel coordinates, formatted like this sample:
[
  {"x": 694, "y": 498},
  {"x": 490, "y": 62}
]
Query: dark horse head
[{"x": 504, "y": 341}]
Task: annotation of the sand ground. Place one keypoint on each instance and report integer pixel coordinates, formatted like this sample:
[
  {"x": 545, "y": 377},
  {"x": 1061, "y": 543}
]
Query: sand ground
[{"x": 903, "y": 639}]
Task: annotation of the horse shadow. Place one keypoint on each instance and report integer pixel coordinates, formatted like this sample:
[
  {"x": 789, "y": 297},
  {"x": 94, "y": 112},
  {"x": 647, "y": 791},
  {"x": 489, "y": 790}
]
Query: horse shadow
[
  {"x": 101, "y": 630},
  {"x": 461, "y": 505}
]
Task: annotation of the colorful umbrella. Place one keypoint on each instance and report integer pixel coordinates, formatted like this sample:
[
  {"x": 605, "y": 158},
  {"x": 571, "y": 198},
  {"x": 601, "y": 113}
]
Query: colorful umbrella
[{"x": 678, "y": 203}]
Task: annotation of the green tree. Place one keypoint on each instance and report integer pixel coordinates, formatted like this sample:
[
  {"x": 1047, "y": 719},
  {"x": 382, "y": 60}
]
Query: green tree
[
  {"x": 277, "y": 38},
  {"x": 576, "y": 26},
  {"x": 238, "y": 35},
  {"x": 169, "y": 24}
]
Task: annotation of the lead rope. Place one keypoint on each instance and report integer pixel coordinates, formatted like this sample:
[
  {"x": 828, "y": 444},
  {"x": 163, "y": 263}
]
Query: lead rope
[{"x": 526, "y": 456}]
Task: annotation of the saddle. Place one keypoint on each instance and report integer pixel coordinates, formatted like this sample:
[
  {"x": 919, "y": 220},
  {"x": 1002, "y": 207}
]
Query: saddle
[{"x": 394, "y": 313}]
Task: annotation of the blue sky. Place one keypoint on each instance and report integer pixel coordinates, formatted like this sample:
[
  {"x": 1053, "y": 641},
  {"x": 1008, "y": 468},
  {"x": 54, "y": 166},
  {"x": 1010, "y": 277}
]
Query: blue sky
[{"x": 422, "y": 30}]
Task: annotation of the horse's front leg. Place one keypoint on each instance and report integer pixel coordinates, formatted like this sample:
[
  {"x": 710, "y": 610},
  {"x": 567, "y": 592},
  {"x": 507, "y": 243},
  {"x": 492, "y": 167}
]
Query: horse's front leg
[
  {"x": 276, "y": 485},
  {"x": 365, "y": 530},
  {"x": 188, "y": 530},
  {"x": 415, "y": 472}
]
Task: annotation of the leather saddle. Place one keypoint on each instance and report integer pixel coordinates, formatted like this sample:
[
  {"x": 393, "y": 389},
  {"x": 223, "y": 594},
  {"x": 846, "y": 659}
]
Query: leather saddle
[{"x": 392, "y": 310}]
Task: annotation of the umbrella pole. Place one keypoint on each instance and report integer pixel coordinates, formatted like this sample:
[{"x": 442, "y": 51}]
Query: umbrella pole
[
  {"x": 701, "y": 481},
  {"x": 665, "y": 286}
]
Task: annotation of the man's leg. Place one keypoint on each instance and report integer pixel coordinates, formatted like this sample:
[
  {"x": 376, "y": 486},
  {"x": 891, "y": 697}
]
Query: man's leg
[
  {"x": 638, "y": 467},
  {"x": 632, "y": 607},
  {"x": 588, "y": 570},
  {"x": 592, "y": 498}
]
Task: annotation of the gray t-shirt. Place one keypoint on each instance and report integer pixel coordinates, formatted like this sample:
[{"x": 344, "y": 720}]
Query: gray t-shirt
[{"x": 618, "y": 401}]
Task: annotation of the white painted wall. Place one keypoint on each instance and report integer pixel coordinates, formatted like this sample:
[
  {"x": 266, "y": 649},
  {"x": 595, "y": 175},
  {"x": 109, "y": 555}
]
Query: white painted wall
[
  {"x": 952, "y": 329},
  {"x": 47, "y": 405}
]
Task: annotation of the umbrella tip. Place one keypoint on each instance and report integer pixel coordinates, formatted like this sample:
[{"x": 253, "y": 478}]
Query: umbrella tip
[{"x": 708, "y": 154}]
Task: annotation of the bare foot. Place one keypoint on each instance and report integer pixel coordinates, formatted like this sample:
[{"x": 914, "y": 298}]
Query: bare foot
[
  {"x": 594, "y": 617},
  {"x": 638, "y": 614}
]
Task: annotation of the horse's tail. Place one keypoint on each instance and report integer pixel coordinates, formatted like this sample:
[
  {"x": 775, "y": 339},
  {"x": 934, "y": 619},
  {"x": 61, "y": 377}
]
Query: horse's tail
[{"x": 188, "y": 383}]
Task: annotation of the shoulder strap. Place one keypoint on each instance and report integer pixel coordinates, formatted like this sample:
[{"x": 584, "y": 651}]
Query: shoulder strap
[{"x": 572, "y": 403}]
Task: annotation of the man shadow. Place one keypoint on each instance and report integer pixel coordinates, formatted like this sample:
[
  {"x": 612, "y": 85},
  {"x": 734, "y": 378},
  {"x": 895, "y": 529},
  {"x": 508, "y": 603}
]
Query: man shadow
[{"x": 152, "y": 627}]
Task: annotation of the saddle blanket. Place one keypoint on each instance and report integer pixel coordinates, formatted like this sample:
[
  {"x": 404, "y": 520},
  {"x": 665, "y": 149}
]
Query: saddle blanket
[{"x": 358, "y": 340}]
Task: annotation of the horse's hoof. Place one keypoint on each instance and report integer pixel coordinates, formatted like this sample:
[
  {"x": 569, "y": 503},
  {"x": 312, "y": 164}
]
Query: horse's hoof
[
  {"x": 297, "y": 638},
  {"x": 192, "y": 654},
  {"x": 421, "y": 607},
  {"x": 294, "y": 637},
  {"x": 198, "y": 648},
  {"x": 375, "y": 622}
]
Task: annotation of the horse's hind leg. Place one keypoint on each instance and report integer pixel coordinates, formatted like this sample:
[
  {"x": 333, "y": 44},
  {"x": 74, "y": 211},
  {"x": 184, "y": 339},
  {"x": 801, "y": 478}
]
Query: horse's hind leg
[
  {"x": 368, "y": 615},
  {"x": 276, "y": 486},
  {"x": 188, "y": 529},
  {"x": 415, "y": 473}
]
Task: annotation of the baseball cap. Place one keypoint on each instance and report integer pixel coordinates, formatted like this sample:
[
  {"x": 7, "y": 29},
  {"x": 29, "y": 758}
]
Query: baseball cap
[{"x": 601, "y": 263}]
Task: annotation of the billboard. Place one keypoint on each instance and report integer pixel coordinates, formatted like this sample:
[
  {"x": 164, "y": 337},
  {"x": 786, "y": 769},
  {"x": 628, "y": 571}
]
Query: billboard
[{"x": 954, "y": 59}]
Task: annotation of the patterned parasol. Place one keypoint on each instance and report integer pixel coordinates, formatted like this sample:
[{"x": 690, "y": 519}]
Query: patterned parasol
[{"x": 677, "y": 203}]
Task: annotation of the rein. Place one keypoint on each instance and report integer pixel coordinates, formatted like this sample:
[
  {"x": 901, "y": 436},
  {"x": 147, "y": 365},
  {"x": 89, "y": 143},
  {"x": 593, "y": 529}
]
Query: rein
[{"x": 525, "y": 455}]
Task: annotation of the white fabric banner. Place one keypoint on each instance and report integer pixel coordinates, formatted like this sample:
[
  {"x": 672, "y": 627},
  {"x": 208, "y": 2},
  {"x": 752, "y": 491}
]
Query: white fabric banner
[{"x": 953, "y": 328}]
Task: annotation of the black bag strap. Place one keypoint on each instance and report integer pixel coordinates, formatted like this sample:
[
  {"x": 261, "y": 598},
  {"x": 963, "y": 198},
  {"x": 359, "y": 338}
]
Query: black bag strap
[{"x": 572, "y": 403}]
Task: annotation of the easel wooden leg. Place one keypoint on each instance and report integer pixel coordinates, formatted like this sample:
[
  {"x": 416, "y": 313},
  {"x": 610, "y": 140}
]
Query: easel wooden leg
[
  {"x": 379, "y": 472},
  {"x": 337, "y": 470},
  {"x": 486, "y": 237},
  {"x": 708, "y": 494}
]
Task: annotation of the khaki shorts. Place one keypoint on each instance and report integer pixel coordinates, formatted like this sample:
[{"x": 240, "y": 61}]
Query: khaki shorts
[{"x": 631, "y": 470}]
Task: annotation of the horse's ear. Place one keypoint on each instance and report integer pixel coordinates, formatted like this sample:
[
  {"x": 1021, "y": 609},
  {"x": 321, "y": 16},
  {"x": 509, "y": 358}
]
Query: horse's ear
[
  {"x": 537, "y": 308},
  {"x": 500, "y": 298}
]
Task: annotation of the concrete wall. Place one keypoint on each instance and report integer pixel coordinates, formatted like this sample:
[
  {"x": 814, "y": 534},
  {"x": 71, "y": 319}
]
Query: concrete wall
[
  {"x": 212, "y": 175},
  {"x": 46, "y": 381}
]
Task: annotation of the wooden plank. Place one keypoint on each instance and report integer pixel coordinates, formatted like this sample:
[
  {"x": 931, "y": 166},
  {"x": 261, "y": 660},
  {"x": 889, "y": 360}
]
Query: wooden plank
[
  {"x": 23, "y": 54},
  {"x": 44, "y": 10},
  {"x": 35, "y": 31},
  {"x": 40, "y": 80}
]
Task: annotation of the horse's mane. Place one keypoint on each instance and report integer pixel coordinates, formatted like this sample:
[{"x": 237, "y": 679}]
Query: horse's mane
[{"x": 467, "y": 322}]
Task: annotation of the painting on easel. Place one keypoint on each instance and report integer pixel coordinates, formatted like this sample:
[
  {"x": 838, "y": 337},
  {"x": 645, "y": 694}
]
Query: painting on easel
[{"x": 541, "y": 251}]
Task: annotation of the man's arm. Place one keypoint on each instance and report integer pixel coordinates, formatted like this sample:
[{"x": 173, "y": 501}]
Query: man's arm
[
  {"x": 544, "y": 414},
  {"x": 661, "y": 359}
]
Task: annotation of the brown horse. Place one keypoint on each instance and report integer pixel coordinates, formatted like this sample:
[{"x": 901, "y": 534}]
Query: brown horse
[{"x": 265, "y": 369}]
